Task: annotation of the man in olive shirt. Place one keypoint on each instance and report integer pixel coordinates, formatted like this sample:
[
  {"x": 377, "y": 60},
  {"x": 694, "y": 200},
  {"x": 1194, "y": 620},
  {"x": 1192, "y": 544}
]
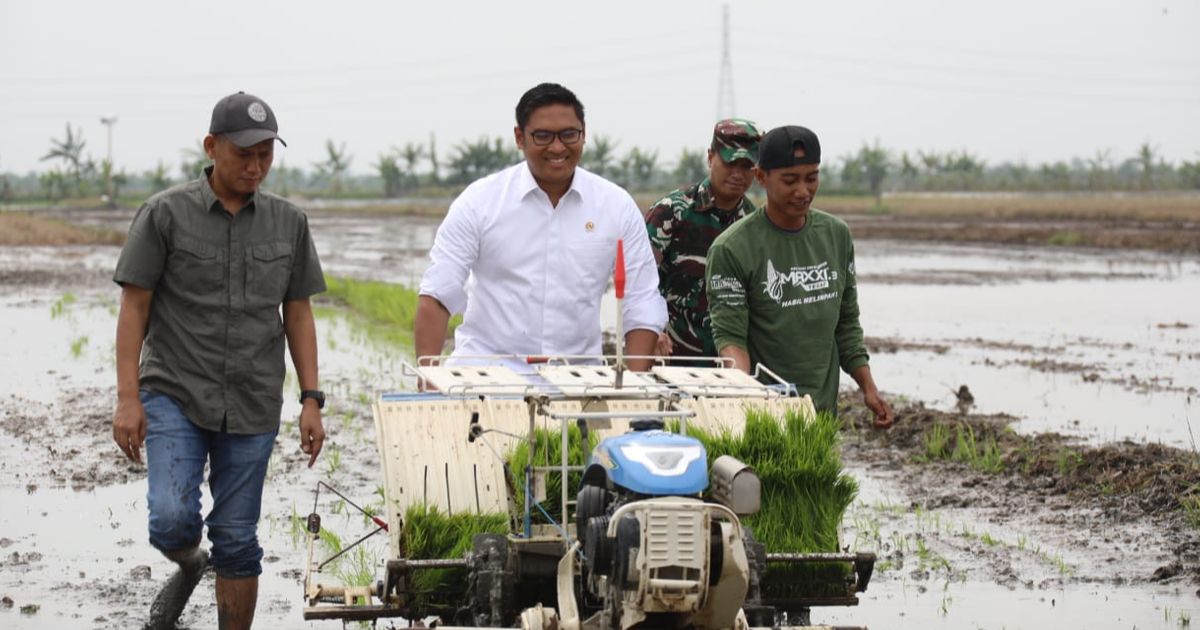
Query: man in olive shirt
[
  {"x": 203, "y": 275},
  {"x": 682, "y": 226},
  {"x": 781, "y": 282}
]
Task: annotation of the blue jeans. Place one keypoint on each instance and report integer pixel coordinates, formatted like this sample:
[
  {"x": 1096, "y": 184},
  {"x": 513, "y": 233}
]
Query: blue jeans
[{"x": 176, "y": 451}]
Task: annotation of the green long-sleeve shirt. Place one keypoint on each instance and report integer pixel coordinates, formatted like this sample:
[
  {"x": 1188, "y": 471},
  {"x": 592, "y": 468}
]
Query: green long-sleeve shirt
[{"x": 790, "y": 299}]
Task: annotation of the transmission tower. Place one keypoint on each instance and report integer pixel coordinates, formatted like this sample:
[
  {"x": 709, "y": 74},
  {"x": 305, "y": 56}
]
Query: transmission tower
[{"x": 725, "y": 106}]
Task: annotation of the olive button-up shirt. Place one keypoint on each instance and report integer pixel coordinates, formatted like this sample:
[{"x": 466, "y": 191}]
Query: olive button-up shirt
[{"x": 215, "y": 339}]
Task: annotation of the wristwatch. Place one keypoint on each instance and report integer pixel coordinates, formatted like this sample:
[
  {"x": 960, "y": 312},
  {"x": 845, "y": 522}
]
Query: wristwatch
[{"x": 314, "y": 394}]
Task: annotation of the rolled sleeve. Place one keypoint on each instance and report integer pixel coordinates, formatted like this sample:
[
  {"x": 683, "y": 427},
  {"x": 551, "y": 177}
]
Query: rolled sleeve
[
  {"x": 727, "y": 298},
  {"x": 643, "y": 307},
  {"x": 455, "y": 249}
]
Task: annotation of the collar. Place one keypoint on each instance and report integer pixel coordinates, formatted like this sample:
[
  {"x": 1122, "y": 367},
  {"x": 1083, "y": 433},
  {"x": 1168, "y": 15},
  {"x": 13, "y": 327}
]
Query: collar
[
  {"x": 702, "y": 193},
  {"x": 209, "y": 197},
  {"x": 526, "y": 184}
]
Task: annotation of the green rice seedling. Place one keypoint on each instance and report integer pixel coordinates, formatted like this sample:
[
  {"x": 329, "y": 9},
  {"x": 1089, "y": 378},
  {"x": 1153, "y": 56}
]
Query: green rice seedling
[
  {"x": 431, "y": 533},
  {"x": 937, "y": 440},
  {"x": 297, "y": 527},
  {"x": 804, "y": 491},
  {"x": 922, "y": 550},
  {"x": 1063, "y": 568},
  {"x": 77, "y": 346},
  {"x": 333, "y": 460},
  {"x": 60, "y": 306},
  {"x": 1185, "y": 619},
  {"x": 1067, "y": 462},
  {"x": 1022, "y": 541},
  {"x": 332, "y": 542},
  {"x": 547, "y": 451},
  {"x": 944, "y": 607},
  {"x": 989, "y": 461},
  {"x": 1190, "y": 504},
  {"x": 987, "y": 539},
  {"x": 805, "y": 494},
  {"x": 357, "y": 567},
  {"x": 386, "y": 310}
]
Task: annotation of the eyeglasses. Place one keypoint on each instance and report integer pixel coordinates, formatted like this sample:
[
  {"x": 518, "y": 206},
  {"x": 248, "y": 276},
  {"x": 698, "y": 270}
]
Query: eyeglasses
[{"x": 542, "y": 137}]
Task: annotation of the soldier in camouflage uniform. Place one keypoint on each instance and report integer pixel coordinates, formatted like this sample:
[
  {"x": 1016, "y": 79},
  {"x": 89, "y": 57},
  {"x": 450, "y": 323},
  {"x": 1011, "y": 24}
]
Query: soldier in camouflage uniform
[{"x": 682, "y": 226}]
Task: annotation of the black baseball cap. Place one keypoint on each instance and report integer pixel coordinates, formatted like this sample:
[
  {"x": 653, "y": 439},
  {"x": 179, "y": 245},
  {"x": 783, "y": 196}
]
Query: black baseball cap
[
  {"x": 778, "y": 147},
  {"x": 245, "y": 119}
]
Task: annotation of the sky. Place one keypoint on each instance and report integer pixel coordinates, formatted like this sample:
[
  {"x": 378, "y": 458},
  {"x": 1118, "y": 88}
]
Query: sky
[{"x": 1019, "y": 80}]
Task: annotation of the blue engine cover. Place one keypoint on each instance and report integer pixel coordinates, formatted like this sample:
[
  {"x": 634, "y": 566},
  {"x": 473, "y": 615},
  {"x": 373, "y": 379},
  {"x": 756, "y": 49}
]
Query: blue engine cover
[{"x": 654, "y": 463}]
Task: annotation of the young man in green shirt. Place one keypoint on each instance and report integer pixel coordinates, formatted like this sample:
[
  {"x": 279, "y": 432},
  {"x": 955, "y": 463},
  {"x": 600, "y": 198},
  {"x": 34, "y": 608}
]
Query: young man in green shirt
[{"x": 781, "y": 285}]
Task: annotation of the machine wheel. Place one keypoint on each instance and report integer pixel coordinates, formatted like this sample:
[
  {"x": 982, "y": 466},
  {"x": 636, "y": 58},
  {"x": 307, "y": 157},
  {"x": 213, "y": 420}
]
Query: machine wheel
[{"x": 492, "y": 594}]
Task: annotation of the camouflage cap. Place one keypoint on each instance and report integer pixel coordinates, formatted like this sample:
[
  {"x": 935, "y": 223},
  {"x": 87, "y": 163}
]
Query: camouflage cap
[{"x": 736, "y": 139}]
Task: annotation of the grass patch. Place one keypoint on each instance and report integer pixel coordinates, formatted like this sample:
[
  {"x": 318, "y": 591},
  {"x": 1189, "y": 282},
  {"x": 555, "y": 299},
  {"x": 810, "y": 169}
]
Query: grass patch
[
  {"x": 1190, "y": 504},
  {"x": 962, "y": 445},
  {"x": 1065, "y": 239},
  {"x": 388, "y": 309}
]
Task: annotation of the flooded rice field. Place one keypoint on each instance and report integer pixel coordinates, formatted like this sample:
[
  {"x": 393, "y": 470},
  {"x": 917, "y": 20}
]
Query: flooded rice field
[{"x": 1100, "y": 345}]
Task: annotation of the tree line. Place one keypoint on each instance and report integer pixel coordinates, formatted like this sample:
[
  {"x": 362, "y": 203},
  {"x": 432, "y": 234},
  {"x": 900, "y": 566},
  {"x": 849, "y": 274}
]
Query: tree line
[{"x": 419, "y": 169}]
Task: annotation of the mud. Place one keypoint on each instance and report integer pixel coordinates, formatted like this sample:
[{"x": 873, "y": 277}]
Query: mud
[
  {"x": 1068, "y": 528},
  {"x": 1105, "y": 233}
]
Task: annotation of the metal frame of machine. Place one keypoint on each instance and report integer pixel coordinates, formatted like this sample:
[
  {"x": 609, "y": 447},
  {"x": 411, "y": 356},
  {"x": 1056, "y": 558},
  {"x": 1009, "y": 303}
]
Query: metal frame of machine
[{"x": 510, "y": 397}]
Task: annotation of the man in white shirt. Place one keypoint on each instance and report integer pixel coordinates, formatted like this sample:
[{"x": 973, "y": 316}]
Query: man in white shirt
[{"x": 525, "y": 254}]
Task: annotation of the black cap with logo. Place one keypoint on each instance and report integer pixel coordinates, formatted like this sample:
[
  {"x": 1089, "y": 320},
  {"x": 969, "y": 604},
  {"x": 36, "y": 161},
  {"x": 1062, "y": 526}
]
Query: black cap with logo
[
  {"x": 779, "y": 147},
  {"x": 245, "y": 119}
]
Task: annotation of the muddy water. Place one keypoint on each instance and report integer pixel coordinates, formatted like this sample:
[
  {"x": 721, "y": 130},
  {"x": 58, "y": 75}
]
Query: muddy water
[
  {"x": 1104, "y": 345},
  {"x": 1100, "y": 344},
  {"x": 1025, "y": 329}
]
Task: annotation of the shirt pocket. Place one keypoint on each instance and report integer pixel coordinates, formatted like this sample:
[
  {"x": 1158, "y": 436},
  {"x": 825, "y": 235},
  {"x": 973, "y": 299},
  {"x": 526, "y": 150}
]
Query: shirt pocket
[
  {"x": 590, "y": 265},
  {"x": 195, "y": 269},
  {"x": 268, "y": 271}
]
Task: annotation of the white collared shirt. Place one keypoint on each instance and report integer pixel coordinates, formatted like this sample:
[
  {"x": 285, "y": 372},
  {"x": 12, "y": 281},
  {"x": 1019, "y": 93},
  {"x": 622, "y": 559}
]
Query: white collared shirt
[{"x": 528, "y": 276}]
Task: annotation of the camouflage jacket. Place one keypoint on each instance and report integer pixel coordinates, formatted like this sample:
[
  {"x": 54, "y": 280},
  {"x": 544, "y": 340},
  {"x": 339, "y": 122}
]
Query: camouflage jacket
[{"x": 682, "y": 226}]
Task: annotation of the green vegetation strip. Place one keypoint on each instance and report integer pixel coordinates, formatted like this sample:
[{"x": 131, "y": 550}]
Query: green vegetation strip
[{"x": 387, "y": 309}]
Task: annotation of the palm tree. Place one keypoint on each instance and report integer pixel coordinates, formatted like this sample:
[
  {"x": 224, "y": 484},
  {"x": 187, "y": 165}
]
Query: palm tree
[
  {"x": 389, "y": 170},
  {"x": 335, "y": 165},
  {"x": 195, "y": 160},
  {"x": 690, "y": 167},
  {"x": 598, "y": 158},
  {"x": 1146, "y": 161},
  {"x": 158, "y": 177},
  {"x": 411, "y": 153},
  {"x": 70, "y": 151}
]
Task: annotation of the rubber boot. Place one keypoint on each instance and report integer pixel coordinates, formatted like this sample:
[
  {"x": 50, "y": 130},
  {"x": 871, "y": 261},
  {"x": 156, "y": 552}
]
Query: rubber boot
[
  {"x": 168, "y": 605},
  {"x": 236, "y": 599}
]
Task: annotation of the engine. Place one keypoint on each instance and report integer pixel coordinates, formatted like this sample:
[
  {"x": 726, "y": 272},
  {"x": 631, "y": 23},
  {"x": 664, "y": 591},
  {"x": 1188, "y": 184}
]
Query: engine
[{"x": 653, "y": 549}]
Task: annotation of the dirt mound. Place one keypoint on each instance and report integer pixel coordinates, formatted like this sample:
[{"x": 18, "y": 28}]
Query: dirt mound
[{"x": 1145, "y": 495}]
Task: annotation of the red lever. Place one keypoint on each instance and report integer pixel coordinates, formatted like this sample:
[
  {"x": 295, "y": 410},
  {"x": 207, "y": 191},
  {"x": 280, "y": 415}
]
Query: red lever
[{"x": 619, "y": 272}]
